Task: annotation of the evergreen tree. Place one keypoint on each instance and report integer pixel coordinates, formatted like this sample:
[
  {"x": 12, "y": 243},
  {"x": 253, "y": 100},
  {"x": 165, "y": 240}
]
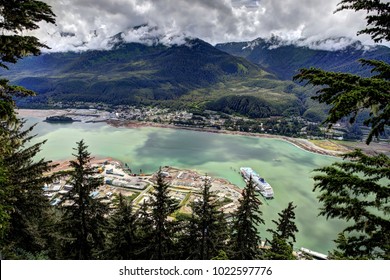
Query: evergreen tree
[
  {"x": 378, "y": 17},
  {"x": 221, "y": 256},
  {"x": 83, "y": 221},
  {"x": 23, "y": 195},
  {"x": 245, "y": 238},
  {"x": 21, "y": 179},
  {"x": 17, "y": 16},
  {"x": 5, "y": 208},
  {"x": 144, "y": 232},
  {"x": 285, "y": 226},
  {"x": 188, "y": 240},
  {"x": 222, "y": 234},
  {"x": 122, "y": 241},
  {"x": 357, "y": 190},
  {"x": 210, "y": 223},
  {"x": 162, "y": 206},
  {"x": 280, "y": 250},
  {"x": 349, "y": 94},
  {"x": 283, "y": 236}
]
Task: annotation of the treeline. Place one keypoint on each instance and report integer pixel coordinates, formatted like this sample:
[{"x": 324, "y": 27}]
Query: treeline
[
  {"x": 244, "y": 105},
  {"x": 83, "y": 227}
]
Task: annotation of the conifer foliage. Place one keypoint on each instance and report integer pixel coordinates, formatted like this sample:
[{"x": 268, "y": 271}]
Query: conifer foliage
[
  {"x": 84, "y": 216},
  {"x": 349, "y": 94},
  {"x": 162, "y": 206},
  {"x": 283, "y": 236},
  {"x": 211, "y": 230},
  {"x": 378, "y": 17},
  {"x": 4, "y": 208},
  {"x": 285, "y": 225},
  {"x": 144, "y": 232},
  {"x": 21, "y": 178},
  {"x": 358, "y": 190},
  {"x": 121, "y": 232},
  {"x": 17, "y": 16},
  {"x": 245, "y": 238},
  {"x": 23, "y": 193}
]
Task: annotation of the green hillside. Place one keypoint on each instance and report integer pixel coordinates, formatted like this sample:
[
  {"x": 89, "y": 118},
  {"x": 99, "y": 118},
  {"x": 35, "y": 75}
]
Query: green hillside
[{"x": 195, "y": 74}]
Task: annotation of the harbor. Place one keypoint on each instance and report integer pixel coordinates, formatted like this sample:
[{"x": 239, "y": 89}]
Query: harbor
[
  {"x": 185, "y": 186},
  {"x": 217, "y": 155}
]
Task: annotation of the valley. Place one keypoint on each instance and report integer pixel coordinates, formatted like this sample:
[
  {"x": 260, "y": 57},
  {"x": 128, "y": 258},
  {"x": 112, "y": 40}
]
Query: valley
[
  {"x": 285, "y": 166},
  {"x": 250, "y": 79},
  {"x": 237, "y": 130}
]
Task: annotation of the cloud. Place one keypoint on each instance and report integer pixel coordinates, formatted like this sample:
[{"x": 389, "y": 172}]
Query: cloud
[
  {"x": 329, "y": 44},
  {"x": 90, "y": 24}
]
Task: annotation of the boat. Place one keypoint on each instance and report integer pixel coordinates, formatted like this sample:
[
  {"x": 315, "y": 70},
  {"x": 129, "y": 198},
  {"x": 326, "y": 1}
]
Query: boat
[
  {"x": 260, "y": 183},
  {"x": 314, "y": 254}
]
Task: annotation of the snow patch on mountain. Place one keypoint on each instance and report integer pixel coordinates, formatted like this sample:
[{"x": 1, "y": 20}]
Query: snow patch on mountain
[{"x": 330, "y": 44}]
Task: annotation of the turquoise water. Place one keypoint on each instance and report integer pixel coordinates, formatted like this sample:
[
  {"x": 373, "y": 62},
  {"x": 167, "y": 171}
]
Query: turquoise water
[{"x": 287, "y": 168}]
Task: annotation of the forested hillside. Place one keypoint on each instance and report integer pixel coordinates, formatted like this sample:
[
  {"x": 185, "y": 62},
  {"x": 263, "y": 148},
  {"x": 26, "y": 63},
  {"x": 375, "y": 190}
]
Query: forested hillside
[{"x": 192, "y": 75}]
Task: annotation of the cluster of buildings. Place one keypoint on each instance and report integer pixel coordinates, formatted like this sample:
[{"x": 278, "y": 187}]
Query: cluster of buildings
[
  {"x": 146, "y": 114},
  {"x": 185, "y": 186},
  {"x": 288, "y": 126}
]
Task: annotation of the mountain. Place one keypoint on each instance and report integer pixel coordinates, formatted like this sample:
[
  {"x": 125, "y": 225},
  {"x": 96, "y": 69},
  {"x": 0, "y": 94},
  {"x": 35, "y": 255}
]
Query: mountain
[
  {"x": 193, "y": 74},
  {"x": 284, "y": 58}
]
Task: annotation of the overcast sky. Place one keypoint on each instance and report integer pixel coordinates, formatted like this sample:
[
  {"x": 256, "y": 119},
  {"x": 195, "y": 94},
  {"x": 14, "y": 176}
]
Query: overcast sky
[{"x": 214, "y": 21}]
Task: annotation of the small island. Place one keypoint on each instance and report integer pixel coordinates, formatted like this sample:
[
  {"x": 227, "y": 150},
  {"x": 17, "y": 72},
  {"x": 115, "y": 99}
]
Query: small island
[{"x": 59, "y": 119}]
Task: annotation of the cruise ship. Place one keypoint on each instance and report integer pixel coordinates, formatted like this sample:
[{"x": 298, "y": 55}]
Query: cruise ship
[{"x": 261, "y": 185}]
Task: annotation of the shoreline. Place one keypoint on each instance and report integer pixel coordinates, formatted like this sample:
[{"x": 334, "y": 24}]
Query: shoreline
[
  {"x": 64, "y": 164},
  {"x": 300, "y": 143}
]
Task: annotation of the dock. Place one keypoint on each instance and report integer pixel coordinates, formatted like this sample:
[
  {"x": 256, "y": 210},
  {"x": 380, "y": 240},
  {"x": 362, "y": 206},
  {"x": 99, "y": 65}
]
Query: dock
[{"x": 314, "y": 254}]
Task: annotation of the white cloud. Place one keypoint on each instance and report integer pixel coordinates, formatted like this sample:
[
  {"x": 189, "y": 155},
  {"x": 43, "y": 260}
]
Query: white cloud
[{"x": 93, "y": 22}]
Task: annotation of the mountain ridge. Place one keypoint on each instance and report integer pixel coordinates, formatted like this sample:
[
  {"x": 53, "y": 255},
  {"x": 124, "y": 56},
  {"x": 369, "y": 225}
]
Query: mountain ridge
[
  {"x": 135, "y": 73},
  {"x": 285, "y": 58},
  {"x": 250, "y": 78}
]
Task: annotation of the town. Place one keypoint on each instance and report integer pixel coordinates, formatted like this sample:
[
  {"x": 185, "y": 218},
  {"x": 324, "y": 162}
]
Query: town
[
  {"x": 293, "y": 126},
  {"x": 185, "y": 187}
]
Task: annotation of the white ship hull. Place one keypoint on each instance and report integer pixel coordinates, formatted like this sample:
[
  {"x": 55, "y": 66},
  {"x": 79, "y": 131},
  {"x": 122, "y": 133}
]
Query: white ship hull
[{"x": 260, "y": 184}]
